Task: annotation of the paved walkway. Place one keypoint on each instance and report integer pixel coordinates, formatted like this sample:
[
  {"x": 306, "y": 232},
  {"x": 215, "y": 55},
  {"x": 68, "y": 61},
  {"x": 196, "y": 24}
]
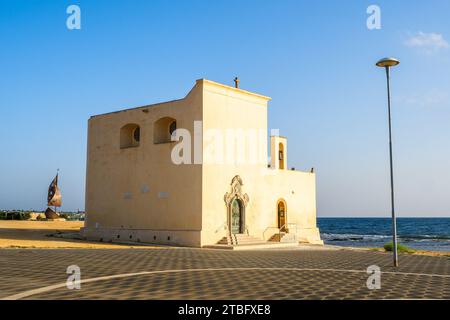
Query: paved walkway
[{"x": 181, "y": 273}]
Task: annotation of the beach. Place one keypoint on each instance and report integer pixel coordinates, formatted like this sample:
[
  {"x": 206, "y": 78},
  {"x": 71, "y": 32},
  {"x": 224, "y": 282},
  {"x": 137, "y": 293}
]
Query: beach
[{"x": 46, "y": 235}]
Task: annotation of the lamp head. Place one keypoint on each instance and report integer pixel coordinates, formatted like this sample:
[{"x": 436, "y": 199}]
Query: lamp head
[{"x": 388, "y": 62}]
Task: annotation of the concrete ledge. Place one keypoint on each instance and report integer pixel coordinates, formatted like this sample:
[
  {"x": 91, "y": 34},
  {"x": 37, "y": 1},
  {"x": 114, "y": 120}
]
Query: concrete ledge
[{"x": 267, "y": 245}]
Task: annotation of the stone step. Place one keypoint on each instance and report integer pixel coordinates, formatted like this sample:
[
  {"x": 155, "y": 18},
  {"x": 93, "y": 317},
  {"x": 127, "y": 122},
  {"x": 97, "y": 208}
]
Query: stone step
[
  {"x": 288, "y": 238},
  {"x": 247, "y": 239},
  {"x": 284, "y": 237},
  {"x": 226, "y": 240},
  {"x": 240, "y": 239},
  {"x": 243, "y": 235},
  {"x": 259, "y": 246},
  {"x": 244, "y": 239},
  {"x": 277, "y": 237}
]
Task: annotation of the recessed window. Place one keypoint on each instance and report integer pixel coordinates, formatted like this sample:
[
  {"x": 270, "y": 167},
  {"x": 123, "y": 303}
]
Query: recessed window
[
  {"x": 172, "y": 127},
  {"x": 163, "y": 129},
  {"x": 281, "y": 156},
  {"x": 137, "y": 134},
  {"x": 130, "y": 136}
]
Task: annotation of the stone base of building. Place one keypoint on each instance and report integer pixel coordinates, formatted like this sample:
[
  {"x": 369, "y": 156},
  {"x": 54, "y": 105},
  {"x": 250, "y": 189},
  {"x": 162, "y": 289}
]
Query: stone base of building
[
  {"x": 266, "y": 245},
  {"x": 185, "y": 238},
  {"x": 309, "y": 235}
]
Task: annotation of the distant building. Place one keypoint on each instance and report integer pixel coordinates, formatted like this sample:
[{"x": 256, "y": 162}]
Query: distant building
[
  {"x": 37, "y": 216},
  {"x": 137, "y": 191}
]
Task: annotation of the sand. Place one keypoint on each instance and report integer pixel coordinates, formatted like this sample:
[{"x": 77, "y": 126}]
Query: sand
[
  {"x": 35, "y": 234},
  {"x": 421, "y": 252},
  {"x": 41, "y": 225}
]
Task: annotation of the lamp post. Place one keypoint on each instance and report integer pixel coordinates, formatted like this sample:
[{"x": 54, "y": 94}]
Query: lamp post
[{"x": 387, "y": 63}]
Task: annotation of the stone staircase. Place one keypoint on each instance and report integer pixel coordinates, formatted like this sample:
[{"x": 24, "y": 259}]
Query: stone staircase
[
  {"x": 240, "y": 239},
  {"x": 248, "y": 242},
  {"x": 284, "y": 237}
]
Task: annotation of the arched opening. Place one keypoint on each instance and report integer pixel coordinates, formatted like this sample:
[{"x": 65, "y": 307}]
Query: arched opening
[
  {"x": 163, "y": 130},
  {"x": 172, "y": 127},
  {"x": 281, "y": 156},
  {"x": 282, "y": 215},
  {"x": 130, "y": 136},
  {"x": 137, "y": 134},
  {"x": 237, "y": 218}
]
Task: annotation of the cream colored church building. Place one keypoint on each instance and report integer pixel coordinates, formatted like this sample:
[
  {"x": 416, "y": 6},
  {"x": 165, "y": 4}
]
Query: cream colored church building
[{"x": 196, "y": 172}]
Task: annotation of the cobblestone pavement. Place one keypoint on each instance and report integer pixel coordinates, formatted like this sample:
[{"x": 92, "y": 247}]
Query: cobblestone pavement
[{"x": 307, "y": 274}]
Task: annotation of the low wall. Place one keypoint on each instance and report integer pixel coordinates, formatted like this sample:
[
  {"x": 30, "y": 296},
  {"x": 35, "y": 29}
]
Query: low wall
[
  {"x": 309, "y": 235},
  {"x": 189, "y": 238}
]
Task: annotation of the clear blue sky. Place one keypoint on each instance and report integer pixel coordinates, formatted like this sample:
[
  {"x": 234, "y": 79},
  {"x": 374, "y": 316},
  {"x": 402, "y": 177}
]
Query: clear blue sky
[{"x": 314, "y": 58}]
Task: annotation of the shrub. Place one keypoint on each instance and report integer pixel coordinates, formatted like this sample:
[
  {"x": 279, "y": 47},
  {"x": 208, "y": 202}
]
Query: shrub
[
  {"x": 400, "y": 248},
  {"x": 15, "y": 215},
  {"x": 23, "y": 216}
]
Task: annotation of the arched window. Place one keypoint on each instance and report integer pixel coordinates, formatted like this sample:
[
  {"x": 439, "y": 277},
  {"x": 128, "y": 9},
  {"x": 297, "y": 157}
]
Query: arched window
[
  {"x": 137, "y": 134},
  {"x": 281, "y": 155},
  {"x": 172, "y": 127},
  {"x": 282, "y": 215},
  {"x": 130, "y": 136},
  {"x": 163, "y": 129}
]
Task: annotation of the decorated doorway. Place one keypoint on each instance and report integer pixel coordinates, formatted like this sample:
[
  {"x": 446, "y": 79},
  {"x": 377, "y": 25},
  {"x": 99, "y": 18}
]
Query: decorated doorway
[{"x": 236, "y": 202}]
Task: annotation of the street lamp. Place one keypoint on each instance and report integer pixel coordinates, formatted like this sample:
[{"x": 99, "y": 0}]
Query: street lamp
[{"x": 387, "y": 63}]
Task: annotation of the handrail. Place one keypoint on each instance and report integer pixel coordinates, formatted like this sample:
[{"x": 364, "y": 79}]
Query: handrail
[
  {"x": 279, "y": 230},
  {"x": 267, "y": 229},
  {"x": 292, "y": 226},
  {"x": 225, "y": 224}
]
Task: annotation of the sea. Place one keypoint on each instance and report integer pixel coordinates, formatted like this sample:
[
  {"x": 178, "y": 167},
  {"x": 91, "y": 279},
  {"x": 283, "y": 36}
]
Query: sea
[{"x": 418, "y": 233}]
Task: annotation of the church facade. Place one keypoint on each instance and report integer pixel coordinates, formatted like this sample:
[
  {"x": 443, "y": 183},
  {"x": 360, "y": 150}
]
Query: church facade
[{"x": 195, "y": 172}]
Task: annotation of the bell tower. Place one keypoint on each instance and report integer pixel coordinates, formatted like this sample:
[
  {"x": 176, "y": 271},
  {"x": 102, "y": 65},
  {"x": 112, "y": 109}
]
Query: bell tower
[{"x": 278, "y": 152}]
